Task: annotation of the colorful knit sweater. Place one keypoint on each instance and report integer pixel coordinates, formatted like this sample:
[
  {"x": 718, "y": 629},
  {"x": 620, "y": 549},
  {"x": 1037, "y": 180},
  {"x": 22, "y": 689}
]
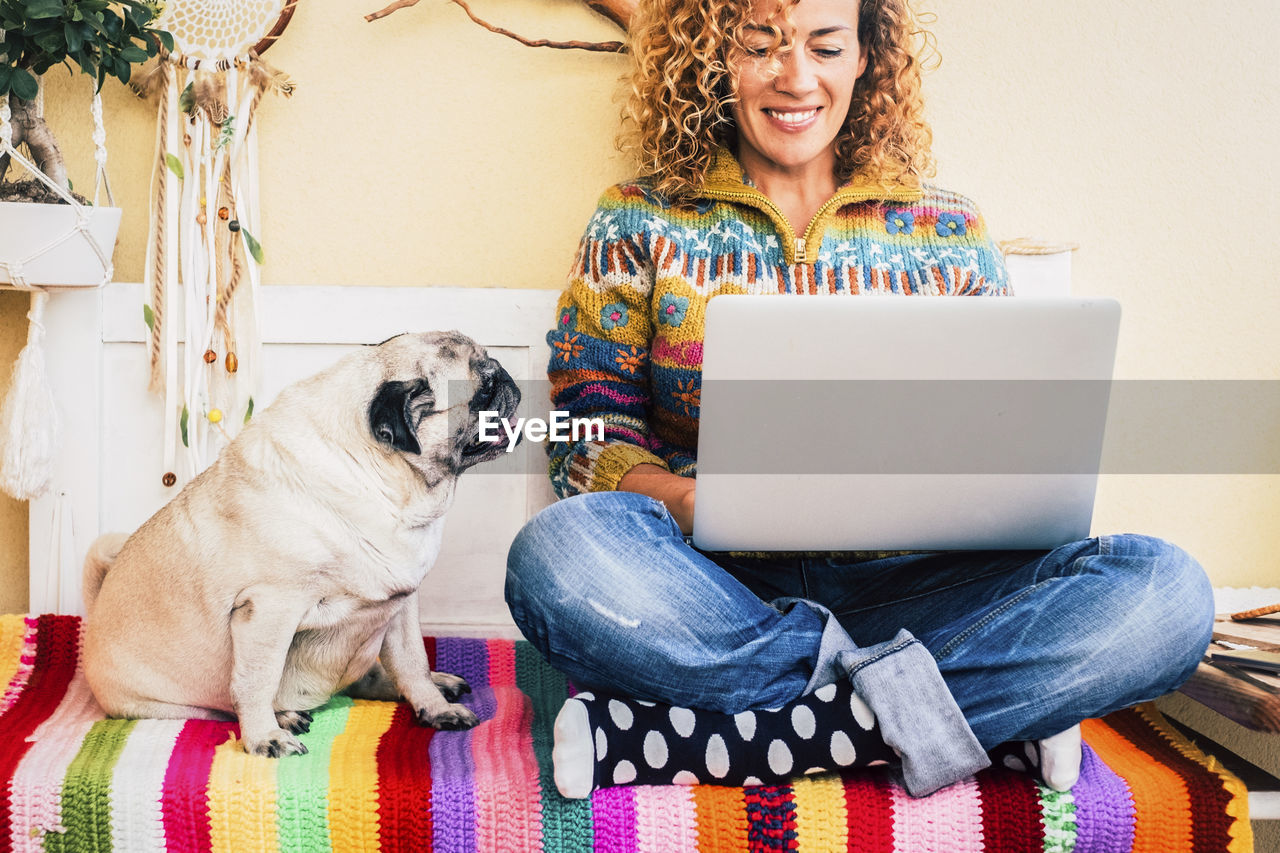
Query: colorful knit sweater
[{"x": 627, "y": 346}]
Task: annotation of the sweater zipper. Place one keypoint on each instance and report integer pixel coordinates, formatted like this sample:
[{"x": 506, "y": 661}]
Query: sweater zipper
[{"x": 802, "y": 242}]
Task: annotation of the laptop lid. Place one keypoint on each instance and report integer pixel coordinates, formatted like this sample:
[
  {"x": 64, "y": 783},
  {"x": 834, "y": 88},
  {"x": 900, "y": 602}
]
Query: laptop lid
[{"x": 899, "y": 423}]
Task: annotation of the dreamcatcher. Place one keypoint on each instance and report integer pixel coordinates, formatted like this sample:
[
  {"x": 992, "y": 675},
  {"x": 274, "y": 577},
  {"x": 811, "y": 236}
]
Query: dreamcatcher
[{"x": 202, "y": 242}]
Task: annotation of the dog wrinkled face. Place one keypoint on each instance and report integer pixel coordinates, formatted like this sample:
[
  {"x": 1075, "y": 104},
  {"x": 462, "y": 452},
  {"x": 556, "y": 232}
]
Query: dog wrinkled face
[{"x": 434, "y": 387}]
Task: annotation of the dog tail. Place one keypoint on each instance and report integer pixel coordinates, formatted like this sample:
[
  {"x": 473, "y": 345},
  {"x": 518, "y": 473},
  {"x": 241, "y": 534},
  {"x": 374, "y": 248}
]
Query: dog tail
[{"x": 102, "y": 553}]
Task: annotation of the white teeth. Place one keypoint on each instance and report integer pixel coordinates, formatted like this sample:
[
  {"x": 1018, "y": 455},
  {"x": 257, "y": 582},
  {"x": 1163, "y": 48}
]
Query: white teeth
[{"x": 793, "y": 117}]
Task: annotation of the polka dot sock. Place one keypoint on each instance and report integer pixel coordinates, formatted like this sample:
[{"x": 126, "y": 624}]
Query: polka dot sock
[
  {"x": 602, "y": 741},
  {"x": 1054, "y": 761}
]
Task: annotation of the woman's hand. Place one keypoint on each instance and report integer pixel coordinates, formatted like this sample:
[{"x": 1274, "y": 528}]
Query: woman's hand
[{"x": 674, "y": 491}]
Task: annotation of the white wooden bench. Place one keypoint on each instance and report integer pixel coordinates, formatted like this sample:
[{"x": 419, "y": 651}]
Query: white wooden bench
[{"x": 109, "y": 469}]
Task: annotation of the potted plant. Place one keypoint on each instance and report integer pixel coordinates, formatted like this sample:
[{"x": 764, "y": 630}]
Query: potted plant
[{"x": 102, "y": 38}]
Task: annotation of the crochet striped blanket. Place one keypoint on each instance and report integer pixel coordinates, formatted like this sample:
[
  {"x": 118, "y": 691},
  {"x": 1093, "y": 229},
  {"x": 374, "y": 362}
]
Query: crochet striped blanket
[{"x": 374, "y": 780}]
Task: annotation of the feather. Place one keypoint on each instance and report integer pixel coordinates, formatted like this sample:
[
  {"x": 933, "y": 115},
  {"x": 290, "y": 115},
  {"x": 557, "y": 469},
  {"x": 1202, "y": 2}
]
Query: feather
[
  {"x": 209, "y": 94},
  {"x": 269, "y": 79},
  {"x": 150, "y": 78}
]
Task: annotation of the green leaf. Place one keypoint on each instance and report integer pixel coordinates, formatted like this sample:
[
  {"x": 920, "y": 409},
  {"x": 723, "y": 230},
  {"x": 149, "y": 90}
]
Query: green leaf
[
  {"x": 227, "y": 133},
  {"x": 74, "y": 40},
  {"x": 113, "y": 26},
  {"x": 15, "y": 42},
  {"x": 183, "y": 424},
  {"x": 255, "y": 248},
  {"x": 133, "y": 54},
  {"x": 22, "y": 84},
  {"x": 149, "y": 317},
  {"x": 6, "y": 71},
  {"x": 52, "y": 43},
  {"x": 249, "y": 412},
  {"x": 166, "y": 39},
  {"x": 143, "y": 14},
  {"x": 175, "y": 166},
  {"x": 44, "y": 9},
  {"x": 187, "y": 100}
]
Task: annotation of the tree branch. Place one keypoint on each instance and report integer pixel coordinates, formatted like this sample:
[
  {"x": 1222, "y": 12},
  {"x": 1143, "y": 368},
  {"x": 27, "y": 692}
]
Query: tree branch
[
  {"x": 601, "y": 46},
  {"x": 382, "y": 13},
  {"x": 618, "y": 11}
]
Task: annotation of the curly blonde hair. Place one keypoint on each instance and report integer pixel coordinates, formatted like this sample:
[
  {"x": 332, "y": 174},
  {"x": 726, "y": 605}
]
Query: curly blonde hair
[{"x": 679, "y": 105}]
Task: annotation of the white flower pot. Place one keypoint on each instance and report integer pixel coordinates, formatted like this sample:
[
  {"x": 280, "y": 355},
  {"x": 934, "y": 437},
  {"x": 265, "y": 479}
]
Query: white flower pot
[
  {"x": 30, "y": 247},
  {"x": 1038, "y": 268}
]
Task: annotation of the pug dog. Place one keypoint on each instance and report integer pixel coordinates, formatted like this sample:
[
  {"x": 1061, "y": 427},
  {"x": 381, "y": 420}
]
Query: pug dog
[{"x": 290, "y": 569}]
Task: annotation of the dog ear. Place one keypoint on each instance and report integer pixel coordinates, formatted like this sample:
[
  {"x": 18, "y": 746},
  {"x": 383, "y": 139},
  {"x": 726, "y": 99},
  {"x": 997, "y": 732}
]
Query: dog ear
[{"x": 391, "y": 418}]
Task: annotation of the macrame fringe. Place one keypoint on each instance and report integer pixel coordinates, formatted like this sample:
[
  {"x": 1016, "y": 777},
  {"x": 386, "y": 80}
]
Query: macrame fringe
[{"x": 29, "y": 427}]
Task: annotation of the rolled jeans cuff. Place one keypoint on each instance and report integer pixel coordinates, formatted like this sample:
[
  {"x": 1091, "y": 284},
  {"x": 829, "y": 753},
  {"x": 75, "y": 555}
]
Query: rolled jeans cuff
[
  {"x": 918, "y": 717},
  {"x": 899, "y": 680}
]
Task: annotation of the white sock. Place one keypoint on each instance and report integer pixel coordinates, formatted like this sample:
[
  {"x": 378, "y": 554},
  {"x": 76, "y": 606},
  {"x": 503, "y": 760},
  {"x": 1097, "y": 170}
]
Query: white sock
[
  {"x": 573, "y": 754},
  {"x": 1060, "y": 757}
]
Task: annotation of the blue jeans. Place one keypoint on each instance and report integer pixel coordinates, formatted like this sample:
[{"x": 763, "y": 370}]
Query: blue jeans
[{"x": 1023, "y": 644}]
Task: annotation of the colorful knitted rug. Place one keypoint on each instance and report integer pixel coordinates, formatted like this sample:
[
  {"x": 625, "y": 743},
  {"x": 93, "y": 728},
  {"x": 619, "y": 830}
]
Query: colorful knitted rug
[{"x": 373, "y": 780}]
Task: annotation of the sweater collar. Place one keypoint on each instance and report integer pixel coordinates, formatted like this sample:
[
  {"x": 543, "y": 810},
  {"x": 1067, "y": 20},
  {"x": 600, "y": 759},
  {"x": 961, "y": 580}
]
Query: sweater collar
[
  {"x": 725, "y": 179},
  {"x": 725, "y": 182}
]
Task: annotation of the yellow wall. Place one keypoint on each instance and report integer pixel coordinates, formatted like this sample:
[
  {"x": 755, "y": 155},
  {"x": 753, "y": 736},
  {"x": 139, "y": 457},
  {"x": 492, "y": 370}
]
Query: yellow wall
[
  {"x": 1145, "y": 133},
  {"x": 422, "y": 150}
]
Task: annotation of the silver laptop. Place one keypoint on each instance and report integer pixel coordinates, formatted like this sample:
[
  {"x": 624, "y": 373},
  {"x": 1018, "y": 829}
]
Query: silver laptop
[{"x": 891, "y": 422}]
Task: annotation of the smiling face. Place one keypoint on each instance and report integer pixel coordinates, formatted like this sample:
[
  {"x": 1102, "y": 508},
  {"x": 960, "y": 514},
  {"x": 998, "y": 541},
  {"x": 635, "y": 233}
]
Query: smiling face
[{"x": 793, "y": 98}]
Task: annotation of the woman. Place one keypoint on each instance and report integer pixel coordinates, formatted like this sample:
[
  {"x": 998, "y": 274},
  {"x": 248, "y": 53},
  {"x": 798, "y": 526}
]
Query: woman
[{"x": 782, "y": 151}]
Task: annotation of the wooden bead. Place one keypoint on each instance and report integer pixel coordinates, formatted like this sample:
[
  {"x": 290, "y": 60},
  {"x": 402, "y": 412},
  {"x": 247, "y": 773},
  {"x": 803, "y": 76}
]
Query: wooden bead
[
  {"x": 169, "y": 479},
  {"x": 224, "y": 213},
  {"x": 210, "y": 356},
  {"x": 234, "y": 225},
  {"x": 201, "y": 218},
  {"x": 233, "y": 363}
]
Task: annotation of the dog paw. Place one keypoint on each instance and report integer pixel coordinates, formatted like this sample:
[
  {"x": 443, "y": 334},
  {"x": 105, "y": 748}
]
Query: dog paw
[
  {"x": 452, "y": 718},
  {"x": 451, "y": 686},
  {"x": 276, "y": 744},
  {"x": 294, "y": 722}
]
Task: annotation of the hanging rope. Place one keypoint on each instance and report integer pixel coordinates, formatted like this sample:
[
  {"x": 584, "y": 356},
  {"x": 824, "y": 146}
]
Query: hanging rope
[
  {"x": 100, "y": 151},
  {"x": 154, "y": 275}
]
